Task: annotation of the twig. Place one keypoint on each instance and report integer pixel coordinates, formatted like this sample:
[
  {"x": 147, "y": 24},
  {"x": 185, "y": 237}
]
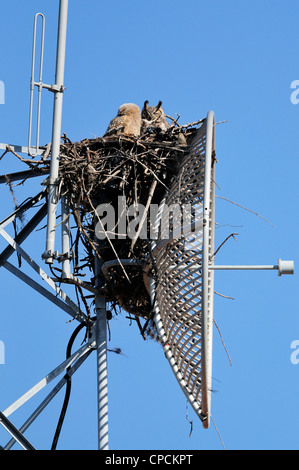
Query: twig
[
  {"x": 185, "y": 126},
  {"x": 220, "y": 122},
  {"x": 24, "y": 160},
  {"x": 57, "y": 225},
  {"x": 153, "y": 173},
  {"x": 47, "y": 152},
  {"x": 149, "y": 200},
  {"x": 6, "y": 151},
  {"x": 225, "y": 296},
  {"x": 11, "y": 191},
  {"x": 111, "y": 244},
  {"x": 232, "y": 202},
  {"x": 175, "y": 121},
  {"x": 82, "y": 229},
  {"x": 190, "y": 421},
  {"x": 231, "y": 235},
  {"x": 222, "y": 341},
  {"x": 218, "y": 433}
]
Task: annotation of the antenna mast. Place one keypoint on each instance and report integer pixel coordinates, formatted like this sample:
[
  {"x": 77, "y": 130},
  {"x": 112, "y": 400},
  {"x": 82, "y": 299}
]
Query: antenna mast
[
  {"x": 58, "y": 90},
  {"x": 98, "y": 339}
]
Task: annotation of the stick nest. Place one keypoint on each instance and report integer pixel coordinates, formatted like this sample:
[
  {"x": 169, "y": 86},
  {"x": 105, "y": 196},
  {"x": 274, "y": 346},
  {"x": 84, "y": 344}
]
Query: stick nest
[
  {"x": 101, "y": 170},
  {"x": 98, "y": 171}
]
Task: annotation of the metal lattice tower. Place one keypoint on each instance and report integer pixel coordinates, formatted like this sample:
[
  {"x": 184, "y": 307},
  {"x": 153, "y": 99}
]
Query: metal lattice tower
[{"x": 181, "y": 293}]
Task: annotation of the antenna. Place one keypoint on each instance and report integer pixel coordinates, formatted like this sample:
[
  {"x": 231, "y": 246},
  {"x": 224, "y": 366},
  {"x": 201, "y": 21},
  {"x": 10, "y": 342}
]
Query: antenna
[
  {"x": 39, "y": 84},
  {"x": 182, "y": 293},
  {"x": 178, "y": 272},
  {"x": 58, "y": 90}
]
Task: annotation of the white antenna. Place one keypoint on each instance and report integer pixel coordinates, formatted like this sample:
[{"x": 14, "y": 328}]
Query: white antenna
[
  {"x": 181, "y": 290},
  {"x": 58, "y": 89},
  {"x": 39, "y": 84}
]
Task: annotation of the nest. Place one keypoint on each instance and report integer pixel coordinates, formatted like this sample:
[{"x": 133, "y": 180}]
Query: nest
[
  {"x": 103, "y": 171},
  {"x": 97, "y": 172}
]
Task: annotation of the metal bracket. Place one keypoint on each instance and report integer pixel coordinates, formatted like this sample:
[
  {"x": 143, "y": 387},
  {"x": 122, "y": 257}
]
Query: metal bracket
[
  {"x": 283, "y": 267},
  {"x": 52, "y": 254},
  {"x": 65, "y": 256},
  {"x": 50, "y": 181},
  {"x": 53, "y": 88}
]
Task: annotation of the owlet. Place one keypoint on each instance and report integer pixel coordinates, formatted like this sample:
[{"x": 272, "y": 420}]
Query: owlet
[{"x": 127, "y": 121}]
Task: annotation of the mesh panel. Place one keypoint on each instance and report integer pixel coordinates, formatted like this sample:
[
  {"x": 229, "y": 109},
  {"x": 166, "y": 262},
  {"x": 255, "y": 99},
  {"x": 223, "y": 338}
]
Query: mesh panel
[{"x": 178, "y": 288}]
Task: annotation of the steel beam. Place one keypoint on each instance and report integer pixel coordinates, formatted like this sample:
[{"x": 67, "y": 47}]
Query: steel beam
[
  {"x": 13, "y": 431},
  {"x": 49, "y": 397},
  {"x": 24, "y": 233},
  {"x": 40, "y": 289},
  {"x": 21, "y": 209},
  {"x": 77, "y": 314},
  {"x": 22, "y": 149},
  {"x": 47, "y": 379}
]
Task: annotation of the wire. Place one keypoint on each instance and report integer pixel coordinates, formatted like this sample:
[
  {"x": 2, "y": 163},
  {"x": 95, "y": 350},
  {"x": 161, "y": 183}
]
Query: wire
[{"x": 68, "y": 387}]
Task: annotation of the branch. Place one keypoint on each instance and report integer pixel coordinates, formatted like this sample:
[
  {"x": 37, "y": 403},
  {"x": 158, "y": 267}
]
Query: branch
[
  {"x": 222, "y": 341},
  {"x": 231, "y": 235},
  {"x": 24, "y": 160},
  {"x": 149, "y": 200},
  {"x": 232, "y": 202}
]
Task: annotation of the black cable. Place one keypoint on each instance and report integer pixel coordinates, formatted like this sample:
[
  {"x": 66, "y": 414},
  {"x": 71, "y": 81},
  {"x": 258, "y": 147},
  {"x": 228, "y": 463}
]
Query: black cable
[{"x": 68, "y": 386}]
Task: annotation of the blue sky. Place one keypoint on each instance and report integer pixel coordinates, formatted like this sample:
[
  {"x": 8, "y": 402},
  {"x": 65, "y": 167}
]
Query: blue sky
[{"x": 239, "y": 60}]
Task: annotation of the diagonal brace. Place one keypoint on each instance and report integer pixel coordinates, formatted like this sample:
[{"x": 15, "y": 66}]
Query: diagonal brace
[
  {"x": 36, "y": 286},
  {"x": 49, "y": 397},
  {"x": 47, "y": 379},
  {"x": 24, "y": 233},
  {"x": 78, "y": 315},
  {"x": 4, "y": 421}
]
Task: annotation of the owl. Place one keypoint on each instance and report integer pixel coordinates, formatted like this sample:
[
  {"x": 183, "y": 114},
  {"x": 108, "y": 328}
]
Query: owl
[
  {"x": 153, "y": 117},
  {"x": 153, "y": 120},
  {"x": 127, "y": 121}
]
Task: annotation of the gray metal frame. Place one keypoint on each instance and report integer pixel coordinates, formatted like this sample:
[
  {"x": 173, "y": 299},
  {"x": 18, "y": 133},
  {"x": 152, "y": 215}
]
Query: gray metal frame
[
  {"x": 183, "y": 296},
  {"x": 207, "y": 275},
  {"x": 98, "y": 339},
  {"x": 183, "y": 290},
  {"x": 182, "y": 293}
]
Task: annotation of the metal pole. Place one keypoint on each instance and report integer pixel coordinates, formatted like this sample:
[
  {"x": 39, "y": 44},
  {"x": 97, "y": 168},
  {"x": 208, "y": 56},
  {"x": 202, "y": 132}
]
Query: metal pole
[
  {"x": 243, "y": 267},
  {"x": 207, "y": 314},
  {"x": 13, "y": 431},
  {"x": 101, "y": 335},
  {"x": 56, "y": 131},
  {"x": 283, "y": 267},
  {"x": 65, "y": 235}
]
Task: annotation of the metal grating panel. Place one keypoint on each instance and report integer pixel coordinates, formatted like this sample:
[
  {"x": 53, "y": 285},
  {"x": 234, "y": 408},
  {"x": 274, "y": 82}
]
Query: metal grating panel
[{"x": 183, "y": 290}]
